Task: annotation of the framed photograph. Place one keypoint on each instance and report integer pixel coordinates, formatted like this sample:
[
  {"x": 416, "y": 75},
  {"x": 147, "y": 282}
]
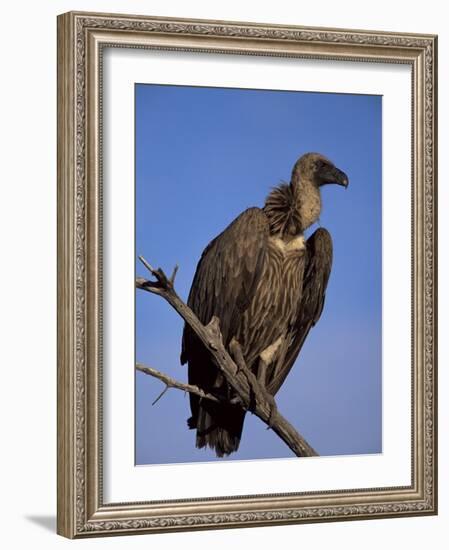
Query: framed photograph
[{"x": 246, "y": 274}]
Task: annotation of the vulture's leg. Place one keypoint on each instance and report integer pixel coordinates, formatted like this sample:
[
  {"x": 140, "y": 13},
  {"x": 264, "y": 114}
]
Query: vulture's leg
[
  {"x": 262, "y": 371},
  {"x": 237, "y": 355},
  {"x": 273, "y": 409},
  {"x": 266, "y": 358},
  {"x": 262, "y": 378}
]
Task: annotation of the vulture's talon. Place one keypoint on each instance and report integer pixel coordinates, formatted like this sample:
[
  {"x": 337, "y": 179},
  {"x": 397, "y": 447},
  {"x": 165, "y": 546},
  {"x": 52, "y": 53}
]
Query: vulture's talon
[{"x": 273, "y": 411}]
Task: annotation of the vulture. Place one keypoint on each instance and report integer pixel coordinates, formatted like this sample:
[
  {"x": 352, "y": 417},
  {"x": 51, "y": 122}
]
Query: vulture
[{"x": 266, "y": 284}]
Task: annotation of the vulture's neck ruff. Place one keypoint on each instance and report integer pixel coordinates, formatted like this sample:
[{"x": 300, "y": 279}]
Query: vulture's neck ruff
[{"x": 292, "y": 208}]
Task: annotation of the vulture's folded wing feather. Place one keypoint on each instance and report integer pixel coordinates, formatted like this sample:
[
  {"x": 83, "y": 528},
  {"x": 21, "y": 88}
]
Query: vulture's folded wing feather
[
  {"x": 227, "y": 276},
  {"x": 316, "y": 276}
]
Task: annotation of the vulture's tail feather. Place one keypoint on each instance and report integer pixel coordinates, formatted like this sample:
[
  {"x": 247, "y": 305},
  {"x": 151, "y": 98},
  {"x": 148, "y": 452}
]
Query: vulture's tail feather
[{"x": 218, "y": 427}]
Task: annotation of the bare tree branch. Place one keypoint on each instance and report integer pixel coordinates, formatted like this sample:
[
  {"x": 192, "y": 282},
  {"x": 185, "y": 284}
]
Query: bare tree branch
[
  {"x": 172, "y": 383},
  {"x": 253, "y": 396}
]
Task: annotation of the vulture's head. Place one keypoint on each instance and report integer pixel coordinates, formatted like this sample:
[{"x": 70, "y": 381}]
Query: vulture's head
[{"x": 319, "y": 170}]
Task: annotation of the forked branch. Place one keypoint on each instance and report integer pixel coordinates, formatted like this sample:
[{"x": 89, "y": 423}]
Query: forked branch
[
  {"x": 252, "y": 396},
  {"x": 172, "y": 383}
]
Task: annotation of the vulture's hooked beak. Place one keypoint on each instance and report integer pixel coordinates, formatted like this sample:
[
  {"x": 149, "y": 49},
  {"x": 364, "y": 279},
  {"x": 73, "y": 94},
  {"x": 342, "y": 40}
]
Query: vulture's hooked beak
[{"x": 331, "y": 174}]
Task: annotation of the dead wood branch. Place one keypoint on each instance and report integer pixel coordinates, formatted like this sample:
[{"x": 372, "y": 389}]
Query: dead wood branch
[
  {"x": 172, "y": 383},
  {"x": 253, "y": 397}
]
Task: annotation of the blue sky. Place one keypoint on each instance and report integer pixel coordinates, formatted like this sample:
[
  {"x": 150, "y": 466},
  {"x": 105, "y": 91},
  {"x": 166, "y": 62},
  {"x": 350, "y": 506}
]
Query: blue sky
[{"x": 203, "y": 155}]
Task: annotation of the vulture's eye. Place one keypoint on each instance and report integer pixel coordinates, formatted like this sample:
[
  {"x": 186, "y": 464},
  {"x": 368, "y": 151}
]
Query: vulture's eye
[{"x": 319, "y": 164}]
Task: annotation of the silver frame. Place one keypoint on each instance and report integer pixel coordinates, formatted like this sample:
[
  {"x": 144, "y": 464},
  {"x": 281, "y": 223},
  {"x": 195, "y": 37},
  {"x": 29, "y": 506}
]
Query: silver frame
[{"x": 81, "y": 39}]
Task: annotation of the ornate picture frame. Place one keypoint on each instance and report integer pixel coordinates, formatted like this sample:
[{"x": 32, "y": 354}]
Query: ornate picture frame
[{"x": 82, "y": 40}]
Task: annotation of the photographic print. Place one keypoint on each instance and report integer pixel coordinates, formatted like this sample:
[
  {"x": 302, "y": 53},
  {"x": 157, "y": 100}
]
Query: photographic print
[{"x": 270, "y": 204}]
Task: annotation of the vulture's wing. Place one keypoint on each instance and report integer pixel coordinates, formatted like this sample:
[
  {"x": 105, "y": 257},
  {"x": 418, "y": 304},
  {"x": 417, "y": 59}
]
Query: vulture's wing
[
  {"x": 316, "y": 276},
  {"x": 227, "y": 276}
]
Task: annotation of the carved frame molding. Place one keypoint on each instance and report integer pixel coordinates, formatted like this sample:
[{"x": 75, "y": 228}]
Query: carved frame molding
[{"x": 81, "y": 39}]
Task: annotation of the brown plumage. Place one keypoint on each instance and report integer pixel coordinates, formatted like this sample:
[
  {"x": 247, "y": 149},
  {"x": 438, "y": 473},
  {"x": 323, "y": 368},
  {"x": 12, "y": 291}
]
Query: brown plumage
[{"x": 266, "y": 284}]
